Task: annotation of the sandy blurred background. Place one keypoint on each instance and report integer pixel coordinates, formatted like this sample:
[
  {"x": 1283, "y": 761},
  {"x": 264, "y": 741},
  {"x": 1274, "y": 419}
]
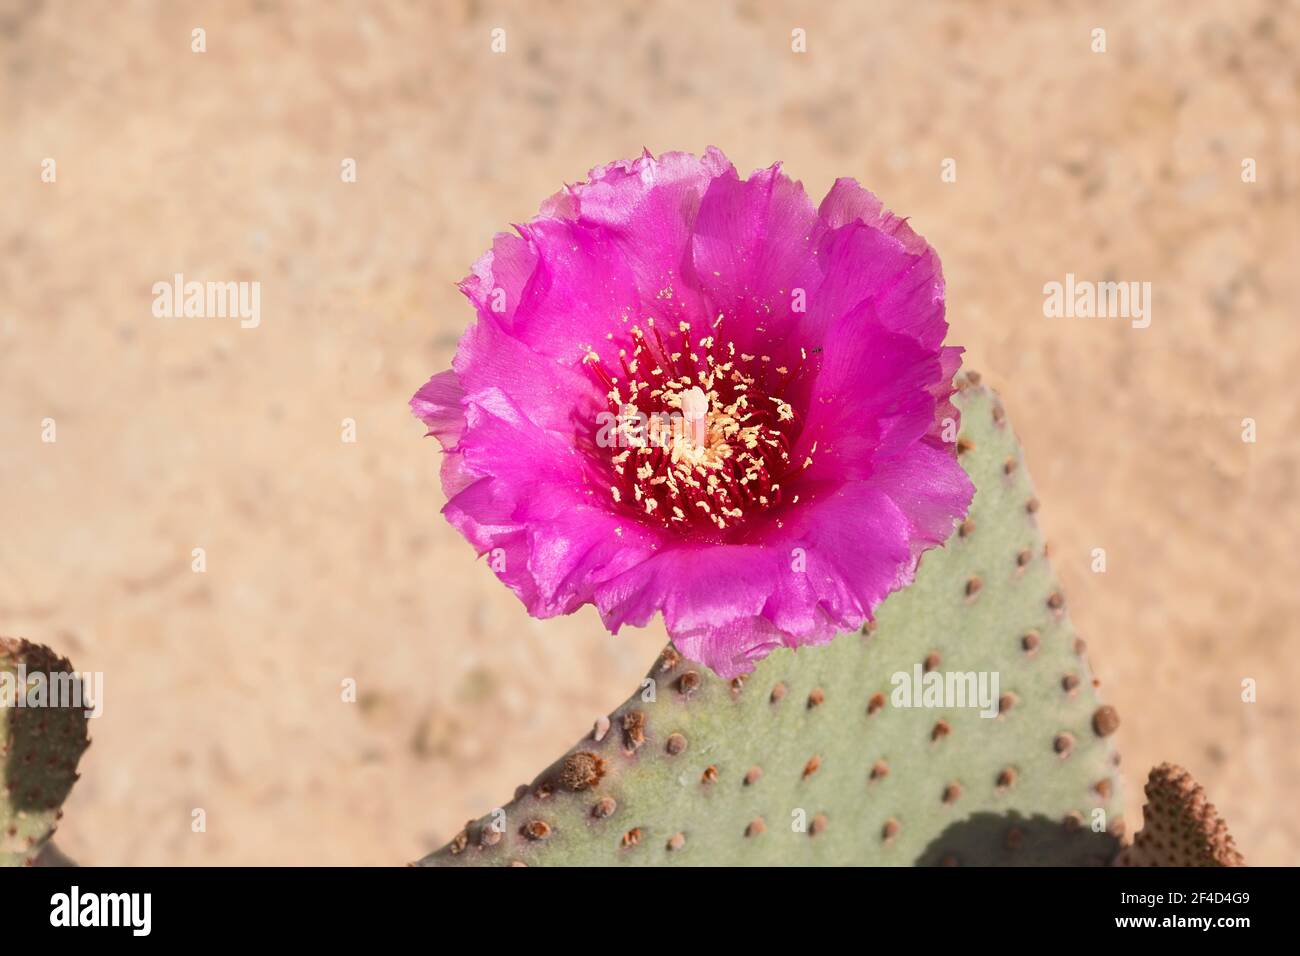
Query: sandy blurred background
[{"x": 328, "y": 560}]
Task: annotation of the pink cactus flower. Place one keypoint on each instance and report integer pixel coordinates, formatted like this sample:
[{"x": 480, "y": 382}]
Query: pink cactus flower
[{"x": 701, "y": 395}]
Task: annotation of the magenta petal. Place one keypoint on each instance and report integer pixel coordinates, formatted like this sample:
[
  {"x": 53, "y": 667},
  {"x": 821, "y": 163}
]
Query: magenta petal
[
  {"x": 551, "y": 394},
  {"x": 945, "y": 412},
  {"x": 728, "y": 606},
  {"x": 848, "y": 202},
  {"x": 647, "y": 210},
  {"x": 932, "y": 494},
  {"x": 496, "y": 283},
  {"x": 555, "y": 539},
  {"x": 438, "y": 405},
  {"x": 580, "y": 293},
  {"x": 852, "y": 425},
  {"x": 865, "y": 264},
  {"x": 752, "y": 250}
]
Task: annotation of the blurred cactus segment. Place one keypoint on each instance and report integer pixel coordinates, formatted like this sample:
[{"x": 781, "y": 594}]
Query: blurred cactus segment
[
  {"x": 1180, "y": 826},
  {"x": 962, "y": 727},
  {"x": 42, "y": 738}
]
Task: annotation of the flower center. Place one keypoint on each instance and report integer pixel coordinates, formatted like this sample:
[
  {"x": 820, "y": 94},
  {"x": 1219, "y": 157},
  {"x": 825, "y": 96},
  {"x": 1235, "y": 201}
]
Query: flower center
[{"x": 698, "y": 433}]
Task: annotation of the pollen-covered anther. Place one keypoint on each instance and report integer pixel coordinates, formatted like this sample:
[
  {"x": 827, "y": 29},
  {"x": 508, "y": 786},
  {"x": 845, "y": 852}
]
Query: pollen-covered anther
[{"x": 701, "y": 433}]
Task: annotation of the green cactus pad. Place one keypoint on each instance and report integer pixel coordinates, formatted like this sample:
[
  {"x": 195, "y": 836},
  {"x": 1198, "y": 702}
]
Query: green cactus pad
[
  {"x": 811, "y": 759},
  {"x": 40, "y": 746}
]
